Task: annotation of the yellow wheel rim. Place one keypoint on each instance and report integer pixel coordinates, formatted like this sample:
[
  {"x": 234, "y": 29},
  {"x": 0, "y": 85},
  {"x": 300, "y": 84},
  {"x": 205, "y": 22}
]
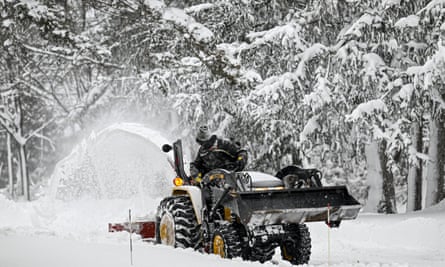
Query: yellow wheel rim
[
  {"x": 285, "y": 254},
  {"x": 167, "y": 230},
  {"x": 218, "y": 246}
]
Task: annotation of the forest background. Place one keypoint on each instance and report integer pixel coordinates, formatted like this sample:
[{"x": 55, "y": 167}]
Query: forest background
[{"x": 352, "y": 87}]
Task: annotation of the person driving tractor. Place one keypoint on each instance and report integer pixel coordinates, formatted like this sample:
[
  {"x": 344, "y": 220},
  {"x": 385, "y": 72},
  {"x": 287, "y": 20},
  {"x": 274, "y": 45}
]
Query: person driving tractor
[{"x": 215, "y": 153}]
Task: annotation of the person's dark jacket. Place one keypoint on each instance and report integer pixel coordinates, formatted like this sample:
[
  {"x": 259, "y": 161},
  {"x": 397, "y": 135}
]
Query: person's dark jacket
[{"x": 218, "y": 153}]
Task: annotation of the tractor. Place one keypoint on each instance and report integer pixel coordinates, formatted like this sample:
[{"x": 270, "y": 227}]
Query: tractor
[{"x": 249, "y": 214}]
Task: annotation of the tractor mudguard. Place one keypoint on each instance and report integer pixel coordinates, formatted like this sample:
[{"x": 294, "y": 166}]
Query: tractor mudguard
[{"x": 195, "y": 195}]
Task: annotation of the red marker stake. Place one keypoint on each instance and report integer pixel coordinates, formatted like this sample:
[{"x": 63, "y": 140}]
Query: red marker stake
[
  {"x": 329, "y": 234},
  {"x": 131, "y": 240}
]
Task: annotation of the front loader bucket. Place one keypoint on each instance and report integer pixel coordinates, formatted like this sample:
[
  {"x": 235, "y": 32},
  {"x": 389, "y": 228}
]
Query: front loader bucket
[{"x": 296, "y": 206}]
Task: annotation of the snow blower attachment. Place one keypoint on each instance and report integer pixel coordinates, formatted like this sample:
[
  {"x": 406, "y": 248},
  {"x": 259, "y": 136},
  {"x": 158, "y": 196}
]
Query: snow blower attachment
[
  {"x": 146, "y": 229},
  {"x": 248, "y": 214}
]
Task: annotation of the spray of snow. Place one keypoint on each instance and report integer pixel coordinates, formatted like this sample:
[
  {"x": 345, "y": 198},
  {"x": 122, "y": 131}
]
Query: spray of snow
[
  {"x": 119, "y": 168},
  {"x": 121, "y": 161}
]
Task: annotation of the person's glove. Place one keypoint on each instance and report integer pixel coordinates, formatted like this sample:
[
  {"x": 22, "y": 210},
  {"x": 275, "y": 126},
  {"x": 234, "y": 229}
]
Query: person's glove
[
  {"x": 196, "y": 179},
  {"x": 240, "y": 163},
  {"x": 195, "y": 174}
]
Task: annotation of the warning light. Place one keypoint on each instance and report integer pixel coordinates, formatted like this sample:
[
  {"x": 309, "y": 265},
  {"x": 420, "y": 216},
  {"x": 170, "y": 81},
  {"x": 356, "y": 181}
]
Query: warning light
[{"x": 178, "y": 181}]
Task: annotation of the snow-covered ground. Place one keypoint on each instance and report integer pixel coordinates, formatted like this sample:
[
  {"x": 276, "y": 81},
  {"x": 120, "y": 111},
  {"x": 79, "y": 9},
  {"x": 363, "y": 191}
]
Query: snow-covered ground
[{"x": 54, "y": 231}]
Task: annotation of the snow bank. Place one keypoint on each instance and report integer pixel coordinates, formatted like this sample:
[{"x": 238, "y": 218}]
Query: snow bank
[
  {"x": 414, "y": 239},
  {"x": 408, "y": 240}
]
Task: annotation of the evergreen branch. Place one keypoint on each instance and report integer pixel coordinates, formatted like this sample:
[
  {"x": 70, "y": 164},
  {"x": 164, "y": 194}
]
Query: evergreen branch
[
  {"x": 228, "y": 111},
  {"x": 8, "y": 87},
  {"x": 73, "y": 59}
]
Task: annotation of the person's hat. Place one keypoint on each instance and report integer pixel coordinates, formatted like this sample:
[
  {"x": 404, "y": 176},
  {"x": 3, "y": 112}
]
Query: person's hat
[{"x": 203, "y": 134}]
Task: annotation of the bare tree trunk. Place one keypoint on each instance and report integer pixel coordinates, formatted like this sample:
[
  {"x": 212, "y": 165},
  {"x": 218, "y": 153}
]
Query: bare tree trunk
[
  {"x": 415, "y": 170},
  {"x": 441, "y": 156},
  {"x": 66, "y": 8},
  {"x": 24, "y": 173},
  {"x": 389, "y": 195},
  {"x": 18, "y": 174},
  {"x": 22, "y": 154},
  {"x": 374, "y": 177},
  {"x": 83, "y": 14},
  {"x": 9, "y": 159},
  {"x": 433, "y": 165}
]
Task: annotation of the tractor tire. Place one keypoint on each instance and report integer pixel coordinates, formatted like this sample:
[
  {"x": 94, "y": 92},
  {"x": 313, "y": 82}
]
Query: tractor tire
[
  {"x": 297, "y": 248},
  {"x": 226, "y": 242},
  {"x": 176, "y": 223},
  {"x": 262, "y": 253}
]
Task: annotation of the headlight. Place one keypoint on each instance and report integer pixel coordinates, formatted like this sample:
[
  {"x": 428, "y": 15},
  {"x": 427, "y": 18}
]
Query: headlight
[{"x": 178, "y": 181}]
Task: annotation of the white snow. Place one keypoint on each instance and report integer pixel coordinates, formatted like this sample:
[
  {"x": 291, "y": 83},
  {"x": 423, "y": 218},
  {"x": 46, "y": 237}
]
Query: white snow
[
  {"x": 366, "y": 109},
  {"x": 252, "y": 76},
  {"x": 320, "y": 96},
  {"x": 288, "y": 35},
  {"x": 308, "y": 54},
  {"x": 191, "y": 61},
  {"x": 410, "y": 21},
  {"x": 7, "y": 22},
  {"x": 51, "y": 232},
  {"x": 199, "y": 8},
  {"x": 390, "y": 3},
  {"x": 35, "y": 9},
  {"x": 155, "y": 4},
  {"x": 366, "y": 19},
  {"x": 199, "y": 32},
  {"x": 374, "y": 177},
  {"x": 273, "y": 87},
  {"x": 311, "y": 126},
  {"x": 432, "y": 5},
  {"x": 405, "y": 93},
  {"x": 372, "y": 63}
]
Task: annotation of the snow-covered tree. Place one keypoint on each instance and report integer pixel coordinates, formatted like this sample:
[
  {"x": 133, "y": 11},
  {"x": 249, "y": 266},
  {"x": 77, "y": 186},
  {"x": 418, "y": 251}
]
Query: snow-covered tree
[{"x": 353, "y": 88}]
